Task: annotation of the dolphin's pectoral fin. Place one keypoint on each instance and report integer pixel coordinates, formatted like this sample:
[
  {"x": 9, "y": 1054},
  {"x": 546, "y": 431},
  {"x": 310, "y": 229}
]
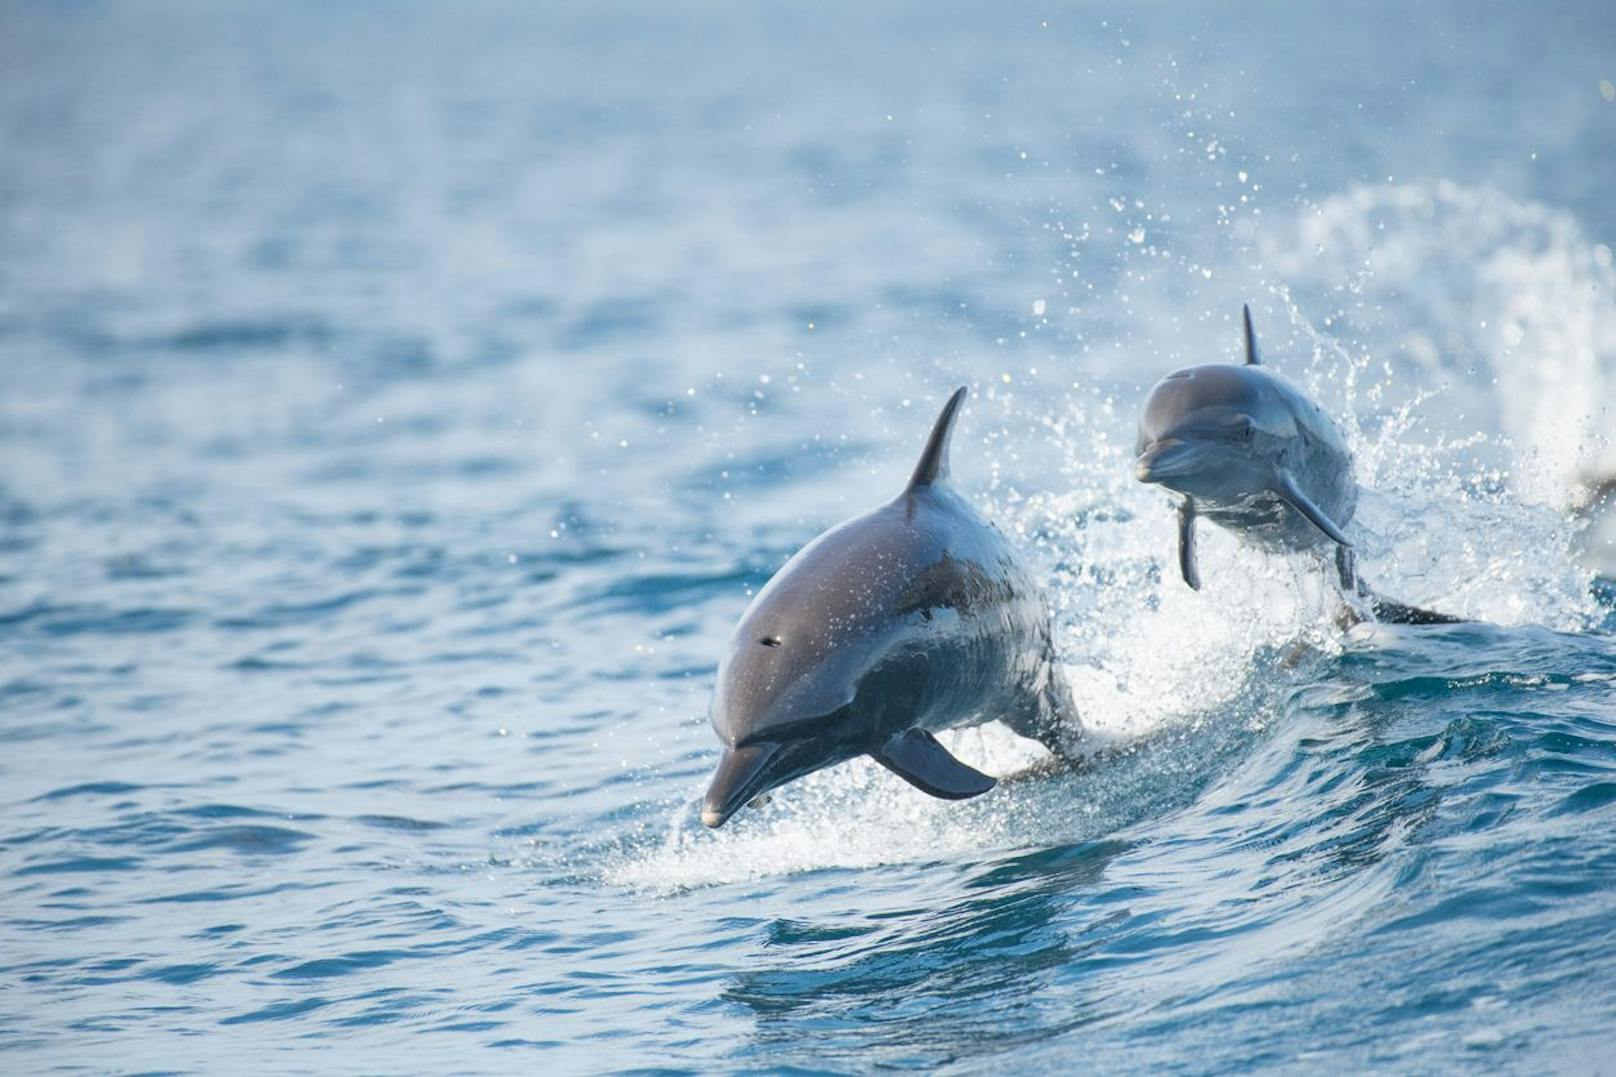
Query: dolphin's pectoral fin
[
  {"x": 1186, "y": 544},
  {"x": 915, "y": 756},
  {"x": 1285, "y": 486}
]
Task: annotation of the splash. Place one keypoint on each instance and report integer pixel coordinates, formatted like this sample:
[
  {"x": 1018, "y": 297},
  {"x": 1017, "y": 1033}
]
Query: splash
[
  {"x": 858, "y": 816},
  {"x": 1464, "y": 343},
  {"x": 1467, "y": 344},
  {"x": 1480, "y": 313}
]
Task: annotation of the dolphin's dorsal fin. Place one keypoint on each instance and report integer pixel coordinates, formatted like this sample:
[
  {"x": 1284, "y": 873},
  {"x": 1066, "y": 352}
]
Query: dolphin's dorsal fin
[
  {"x": 1252, "y": 358},
  {"x": 933, "y": 466}
]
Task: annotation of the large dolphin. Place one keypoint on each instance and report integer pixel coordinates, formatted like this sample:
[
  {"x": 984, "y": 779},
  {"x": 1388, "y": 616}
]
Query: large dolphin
[
  {"x": 1255, "y": 454},
  {"x": 914, "y": 617}
]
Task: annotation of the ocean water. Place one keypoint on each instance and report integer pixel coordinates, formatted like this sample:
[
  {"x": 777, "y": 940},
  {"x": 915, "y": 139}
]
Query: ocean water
[{"x": 400, "y": 402}]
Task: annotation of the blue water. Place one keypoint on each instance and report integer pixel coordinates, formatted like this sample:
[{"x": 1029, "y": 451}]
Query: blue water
[{"x": 399, "y": 403}]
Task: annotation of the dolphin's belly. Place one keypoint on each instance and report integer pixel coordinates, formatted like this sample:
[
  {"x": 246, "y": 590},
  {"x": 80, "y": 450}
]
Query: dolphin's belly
[
  {"x": 982, "y": 660},
  {"x": 1265, "y": 521},
  {"x": 1268, "y": 521}
]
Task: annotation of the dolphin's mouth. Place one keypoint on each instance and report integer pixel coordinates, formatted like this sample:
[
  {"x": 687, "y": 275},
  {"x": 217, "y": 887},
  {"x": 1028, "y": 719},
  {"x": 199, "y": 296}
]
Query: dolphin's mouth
[
  {"x": 742, "y": 774},
  {"x": 1169, "y": 458}
]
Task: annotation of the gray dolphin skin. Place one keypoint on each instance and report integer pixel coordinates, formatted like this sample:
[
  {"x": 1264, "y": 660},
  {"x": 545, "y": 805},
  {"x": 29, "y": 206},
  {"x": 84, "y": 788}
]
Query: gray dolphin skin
[
  {"x": 1253, "y": 453},
  {"x": 911, "y": 618}
]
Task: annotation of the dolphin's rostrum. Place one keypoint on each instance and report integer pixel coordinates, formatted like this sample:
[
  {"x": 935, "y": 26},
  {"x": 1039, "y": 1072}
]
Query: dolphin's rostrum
[
  {"x": 1250, "y": 451},
  {"x": 912, "y": 618}
]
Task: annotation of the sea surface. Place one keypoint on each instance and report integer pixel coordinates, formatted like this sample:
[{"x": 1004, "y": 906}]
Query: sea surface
[{"x": 399, "y": 403}]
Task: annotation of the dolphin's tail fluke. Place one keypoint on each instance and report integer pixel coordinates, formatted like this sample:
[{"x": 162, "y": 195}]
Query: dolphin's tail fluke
[
  {"x": 1385, "y": 610},
  {"x": 1390, "y": 612}
]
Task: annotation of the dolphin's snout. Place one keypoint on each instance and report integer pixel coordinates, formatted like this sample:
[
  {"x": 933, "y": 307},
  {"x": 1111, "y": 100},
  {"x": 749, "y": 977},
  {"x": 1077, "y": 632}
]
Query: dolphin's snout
[
  {"x": 742, "y": 774},
  {"x": 1167, "y": 458}
]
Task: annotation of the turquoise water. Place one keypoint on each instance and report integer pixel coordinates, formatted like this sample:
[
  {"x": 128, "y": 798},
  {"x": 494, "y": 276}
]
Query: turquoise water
[{"x": 398, "y": 405}]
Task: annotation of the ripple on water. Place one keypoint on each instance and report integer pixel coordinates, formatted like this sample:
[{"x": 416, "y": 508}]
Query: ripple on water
[{"x": 388, "y": 443}]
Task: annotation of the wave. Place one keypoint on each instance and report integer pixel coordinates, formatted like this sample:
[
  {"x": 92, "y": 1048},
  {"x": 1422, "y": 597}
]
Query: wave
[{"x": 1465, "y": 438}]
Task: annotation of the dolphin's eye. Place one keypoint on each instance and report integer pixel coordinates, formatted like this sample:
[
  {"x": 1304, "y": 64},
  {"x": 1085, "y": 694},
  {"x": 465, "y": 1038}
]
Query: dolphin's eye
[{"x": 770, "y": 641}]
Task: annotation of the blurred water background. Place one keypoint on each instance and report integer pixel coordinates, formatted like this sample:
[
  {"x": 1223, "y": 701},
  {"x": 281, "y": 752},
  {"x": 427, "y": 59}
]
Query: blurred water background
[{"x": 399, "y": 403}]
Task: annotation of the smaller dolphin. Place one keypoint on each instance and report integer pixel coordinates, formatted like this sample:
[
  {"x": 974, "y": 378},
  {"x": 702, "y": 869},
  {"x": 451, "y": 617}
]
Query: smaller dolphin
[
  {"x": 1255, "y": 454},
  {"x": 912, "y": 618}
]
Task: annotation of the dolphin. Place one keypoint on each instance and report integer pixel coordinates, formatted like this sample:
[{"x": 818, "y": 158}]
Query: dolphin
[
  {"x": 1253, "y": 453},
  {"x": 911, "y": 618}
]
